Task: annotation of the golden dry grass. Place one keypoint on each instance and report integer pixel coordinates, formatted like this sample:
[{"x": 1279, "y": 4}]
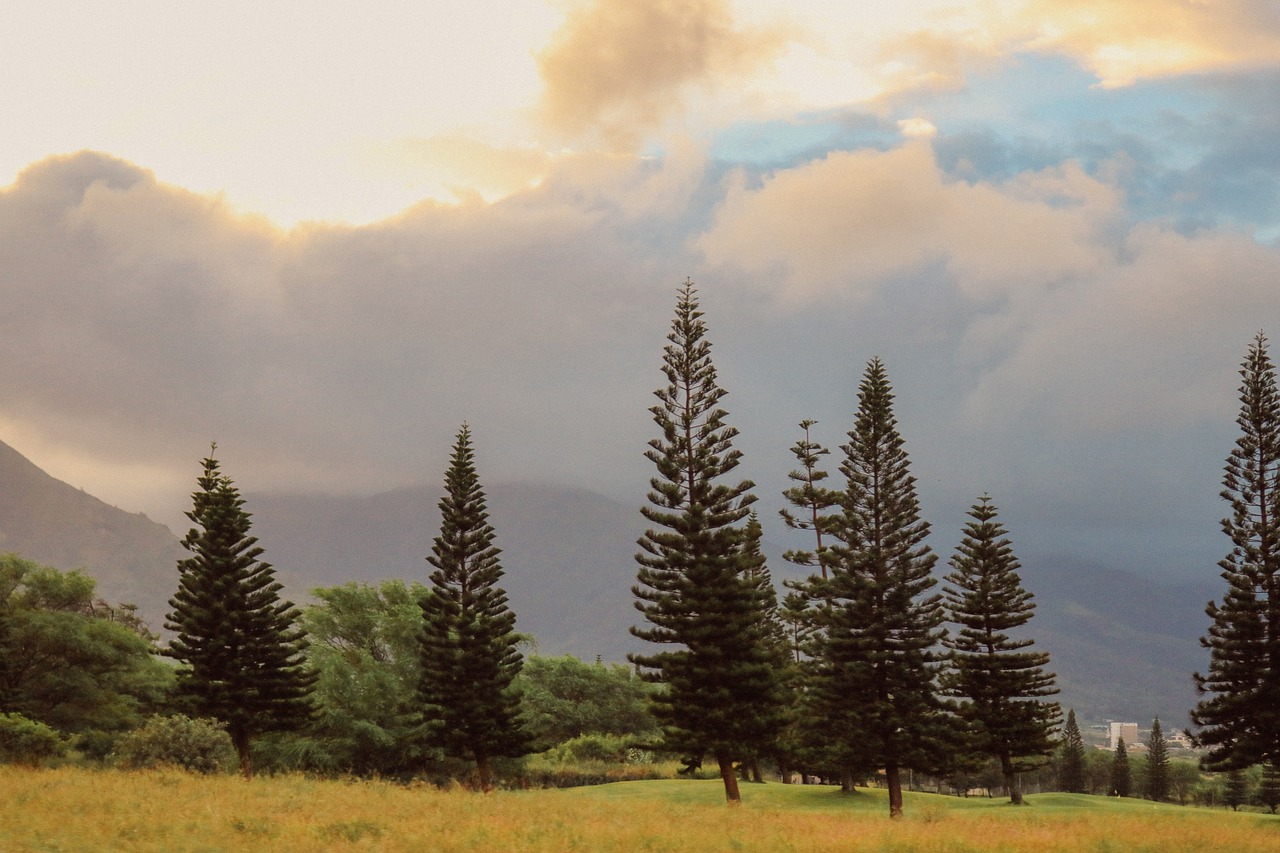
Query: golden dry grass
[{"x": 81, "y": 810}]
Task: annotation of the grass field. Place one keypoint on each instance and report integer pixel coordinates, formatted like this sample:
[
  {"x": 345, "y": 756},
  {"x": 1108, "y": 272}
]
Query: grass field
[{"x": 82, "y": 810}]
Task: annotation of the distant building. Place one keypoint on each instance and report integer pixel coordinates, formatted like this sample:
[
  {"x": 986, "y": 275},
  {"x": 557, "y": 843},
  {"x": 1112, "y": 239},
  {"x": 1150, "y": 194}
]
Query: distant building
[
  {"x": 1178, "y": 739},
  {"x": 1128, "y": 731}
]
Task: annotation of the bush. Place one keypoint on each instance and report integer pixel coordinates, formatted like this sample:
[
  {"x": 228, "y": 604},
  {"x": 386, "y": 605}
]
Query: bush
[
  {"x": 25, "y": 741},
  {"x": 198, "y": 745}
]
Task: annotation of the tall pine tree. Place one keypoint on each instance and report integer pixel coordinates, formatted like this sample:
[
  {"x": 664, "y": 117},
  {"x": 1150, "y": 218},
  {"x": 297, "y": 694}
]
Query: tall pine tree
[
  {"x": 1001, "y": 683},
  {"x": 720, "y": 691},
  {"x": 1157, "y": 764},
  {"x": 240, "y": 654},
  {"x": 1121, "y": 780},
  {"x": 1239, "y": 714},
  {"x": 876, "y": 657},
  {"x": 469, "y": 644},
  {"x": 812, "y": 502},
  {"x": 1071, "y": 770}
]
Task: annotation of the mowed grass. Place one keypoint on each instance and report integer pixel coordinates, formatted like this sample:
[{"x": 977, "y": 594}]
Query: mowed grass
[{"x": 83, "y": 810}]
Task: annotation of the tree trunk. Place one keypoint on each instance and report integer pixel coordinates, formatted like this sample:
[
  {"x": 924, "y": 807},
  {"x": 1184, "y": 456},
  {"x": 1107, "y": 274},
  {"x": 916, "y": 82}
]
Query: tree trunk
[
  {"x": 846, "y": 781},
  {"x": 893, "y": 781},
  {"x": 1012, "y": 783},
  {"x": 756, "y": 775},
  {"x": 485, "y": 771},
  {"x": 730, "y": 779},
  {"x": 241, "y": 742}
]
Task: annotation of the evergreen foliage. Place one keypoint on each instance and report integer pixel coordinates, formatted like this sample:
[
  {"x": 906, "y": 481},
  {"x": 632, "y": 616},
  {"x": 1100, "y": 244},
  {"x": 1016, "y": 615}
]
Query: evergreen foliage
[
  {"x": 1071, "y": 773},
  {"x": 1001, "y": 683},
  {"x": 240, "y": 651},
  {"x": 1236, "y": 793},
  {"x": 1239, "y": 716},
  {"x": 720, "y": 691},
  {"x": 1121, "y": 782},
  {"x": 1269, "y": 789},
  {"x": 175, "y": 740},
  {"x": 1157, "y": 764},
  {"x": 874, "y": 689},
  {"x": 469, "y": 644},
  {"x": 812, "y": 502}
]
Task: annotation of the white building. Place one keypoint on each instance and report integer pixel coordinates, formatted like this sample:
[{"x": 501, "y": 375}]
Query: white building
[{"x": 1128, "y": 731}]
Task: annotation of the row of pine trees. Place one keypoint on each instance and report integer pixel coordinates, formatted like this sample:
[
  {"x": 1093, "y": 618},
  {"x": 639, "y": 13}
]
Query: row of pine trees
[{"x": 853, "y": 673}]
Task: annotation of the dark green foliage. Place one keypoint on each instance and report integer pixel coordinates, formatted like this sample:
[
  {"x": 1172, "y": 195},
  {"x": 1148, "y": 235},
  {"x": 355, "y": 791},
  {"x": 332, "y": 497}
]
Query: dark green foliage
[
  {"x": 565, "y": 698},
  {"x": 1236, "y": 793},
  {"x": 874, "y": 688},
  {"x": 176, "y": 740},
  {"x": 720, "y": 691},
  {"x": 1239, "y": 716},
  {"x": 1120, "y": 783},
  {"x": 240, "y": 652},
  {"x": 73, "y": 662},
  {"x": 469, "y": 656},
  {"x": 813, "y": 502},
  {"x": 27, "y": 741},
  {"x": 1157, "y": 787},
  {"x": 1269, "y": 789},
  {"x": 365, "y": 650},
  {"x": 1071, "y": 772},
  {"x": 1000, "y": 682}
]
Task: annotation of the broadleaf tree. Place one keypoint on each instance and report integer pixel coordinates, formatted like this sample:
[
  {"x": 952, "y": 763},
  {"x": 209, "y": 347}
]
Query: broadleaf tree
[
  {"x": 1001, "y": 683},
  {"x": 877, "y": 651},
  {"x": 470, "y": 649},
  {"x": 719, "y": 691},
  {"x": 240, "y": 652},
  {"x": 1238, "y": 716}
]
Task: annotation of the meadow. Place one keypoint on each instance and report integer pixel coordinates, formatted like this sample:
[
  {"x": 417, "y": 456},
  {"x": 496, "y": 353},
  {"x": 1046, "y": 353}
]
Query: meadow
[{"x": 74, "y": 809}]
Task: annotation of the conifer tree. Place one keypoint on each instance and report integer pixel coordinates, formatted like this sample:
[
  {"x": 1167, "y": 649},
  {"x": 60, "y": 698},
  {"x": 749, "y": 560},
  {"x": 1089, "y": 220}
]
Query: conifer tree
[
  {"x": 469, "y": 644},
  {"x": 1071, "y": 772},
  {"x": 1157, "y": 764},
  {"x": 1239, "y": 714},
  {"x": 240, "y": 652},
  {"x": 1237, "y": 790},
  {"x": 1001, "y": 683},
  {"x": 1121, "y": 782},
  {"x": 874, "y": 686},
  {"x": 812, "y": 502},
  {"x": 719, "y": 689},
  {"x": 1269, "y": 790}
]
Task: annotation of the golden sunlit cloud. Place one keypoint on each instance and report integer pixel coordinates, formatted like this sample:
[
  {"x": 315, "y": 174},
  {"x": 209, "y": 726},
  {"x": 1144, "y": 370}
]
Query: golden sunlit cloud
[{"x": 621, "y": 68}]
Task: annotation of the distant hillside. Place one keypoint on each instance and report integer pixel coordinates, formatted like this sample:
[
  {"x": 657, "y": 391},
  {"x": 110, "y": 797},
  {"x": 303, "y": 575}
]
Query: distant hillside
[
  {"x": 45, "y": 520},
  {"x": 1123, "y": 646}
]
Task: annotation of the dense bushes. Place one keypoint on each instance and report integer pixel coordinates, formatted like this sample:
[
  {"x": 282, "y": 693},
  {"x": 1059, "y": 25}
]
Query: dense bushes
[
  {"x": 25, "y": 741},
  {"x": 199, "y": 745}
]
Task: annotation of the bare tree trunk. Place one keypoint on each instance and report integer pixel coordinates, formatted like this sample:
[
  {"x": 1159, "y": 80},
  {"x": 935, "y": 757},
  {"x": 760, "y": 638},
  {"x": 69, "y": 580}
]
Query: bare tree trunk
[
  {"x": 756, "y": 775},
  {"x": 241, "y": 742},
  {"x": 846, "y": 781},
  {"x": 730, "y": 779},
  {"x": 1011, "y": 782},
  {"x": 485, "y": 771},
  {"x": 893, "y": 780}
]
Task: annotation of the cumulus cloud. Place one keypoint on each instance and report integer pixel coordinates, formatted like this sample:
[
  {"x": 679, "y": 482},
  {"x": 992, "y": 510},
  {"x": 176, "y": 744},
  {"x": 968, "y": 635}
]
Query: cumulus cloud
[{"x": 621, "y": 68}]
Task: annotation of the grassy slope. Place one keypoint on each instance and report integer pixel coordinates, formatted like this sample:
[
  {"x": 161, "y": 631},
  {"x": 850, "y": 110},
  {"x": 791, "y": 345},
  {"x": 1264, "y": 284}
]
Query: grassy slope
[{"x": 78, "y": 810}]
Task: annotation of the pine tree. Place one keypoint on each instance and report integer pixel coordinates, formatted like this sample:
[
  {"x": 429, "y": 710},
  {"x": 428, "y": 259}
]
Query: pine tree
[
  {"x": 719, "y": 687},
  {"x": 1157, "y": 764},
  {"x": 876, "y": 659},
  {"x": 241, "y": 655},
  {"x": 812, "y": 501},
  {"x": 1269, "y": 790},
  {"x": 1000, "y": 682},
  {"x": 1237, "y": 791},
  {"x": 1071, "y": 772},
  {"x": 1120, "y": 783},
  {"x": 469, "y": 644},
  {"x": 1239, "y": 716}
]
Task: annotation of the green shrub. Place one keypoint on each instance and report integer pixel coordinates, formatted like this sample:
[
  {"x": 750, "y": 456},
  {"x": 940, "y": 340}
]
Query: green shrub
[
  {"x": 25, "y": 741},
  {"x": 198, "y": 745},
  {"x": 610, "y": 749}
]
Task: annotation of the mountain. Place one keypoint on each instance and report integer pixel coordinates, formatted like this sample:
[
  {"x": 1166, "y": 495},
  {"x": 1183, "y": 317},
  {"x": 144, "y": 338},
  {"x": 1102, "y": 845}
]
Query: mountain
[
  {"x": 49, "y": 522},
  {"x": 1124, "y": 646}
]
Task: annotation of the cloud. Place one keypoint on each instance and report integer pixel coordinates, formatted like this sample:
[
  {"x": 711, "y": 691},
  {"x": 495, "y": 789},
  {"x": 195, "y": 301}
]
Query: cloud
[{"x": 618, "y": 68}]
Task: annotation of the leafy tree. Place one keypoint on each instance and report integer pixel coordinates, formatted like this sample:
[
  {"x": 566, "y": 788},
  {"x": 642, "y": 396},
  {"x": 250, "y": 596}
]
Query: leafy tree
[
  {"x": 1239, "y": 716},
  {"x": 365, "y": 649},
  {"x": 1071, "y": 774},
  {"x": 1184, "y": 778},
  {"x": 240, "y": 652},
  {"x": 1157, "y": 786},
  {"x": 1121, "y": 780},
  {"x": 565, "y": 698},
  {"x": 29, "y": 742},
  {"x": 719, "y": 688},
  {"x": 176, "y": 740},
  {"x": 1000, "y": 682},
  {"x": 876, "y": 668},
  {"x": 469, "y": 654},
  {"x": 71, "y": 664}
]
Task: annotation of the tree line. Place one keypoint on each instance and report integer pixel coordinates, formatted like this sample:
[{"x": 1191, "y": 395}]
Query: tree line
[{"x": 853, "y": 674}]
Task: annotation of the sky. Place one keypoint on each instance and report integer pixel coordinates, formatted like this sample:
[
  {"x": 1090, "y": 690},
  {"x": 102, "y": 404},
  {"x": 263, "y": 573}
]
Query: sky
[{"x": 326, "y": 234}]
